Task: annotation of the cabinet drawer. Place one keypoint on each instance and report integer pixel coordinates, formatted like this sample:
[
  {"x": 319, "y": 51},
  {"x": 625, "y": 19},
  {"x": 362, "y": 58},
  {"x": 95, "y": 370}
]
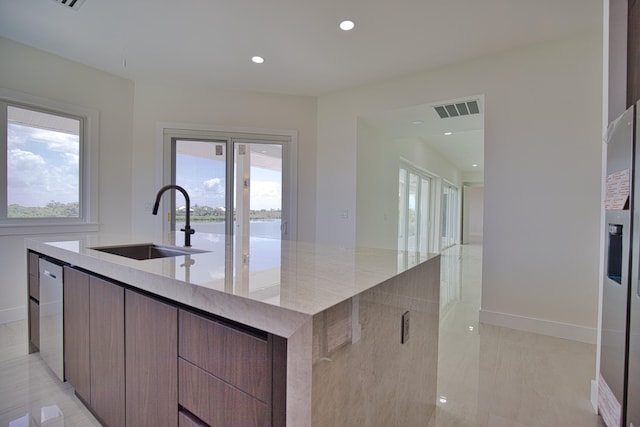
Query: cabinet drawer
[
  {"x": 34, "y": 323},
  {"x": 185, "y": 420},
  {"x": 236, "y": 357},
  {"x": 33, "y": 264},
  {"x": 34, "y": 287},
  {"x": 215, "y": 402}
]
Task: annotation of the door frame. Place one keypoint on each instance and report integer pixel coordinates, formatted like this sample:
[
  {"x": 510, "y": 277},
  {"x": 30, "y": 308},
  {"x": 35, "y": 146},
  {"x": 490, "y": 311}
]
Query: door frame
[{"x": 287, "y": 137}]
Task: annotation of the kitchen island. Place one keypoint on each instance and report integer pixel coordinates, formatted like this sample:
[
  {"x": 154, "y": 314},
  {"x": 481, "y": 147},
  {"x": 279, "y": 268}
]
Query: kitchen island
[{"x": 355, "y": 331}]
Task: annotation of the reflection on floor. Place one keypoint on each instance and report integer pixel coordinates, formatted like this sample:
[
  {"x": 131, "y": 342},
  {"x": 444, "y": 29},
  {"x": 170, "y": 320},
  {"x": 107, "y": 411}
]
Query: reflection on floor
[
  {"x": 493, "y": 376},
  {"x": 487, "y": 375},
  {"x": 31, "y": 394}
]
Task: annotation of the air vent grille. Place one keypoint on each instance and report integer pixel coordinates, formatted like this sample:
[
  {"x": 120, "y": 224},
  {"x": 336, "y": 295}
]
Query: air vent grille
[
  {"x": 458, "y": 109},
  {"x": 71, "y": 4}
]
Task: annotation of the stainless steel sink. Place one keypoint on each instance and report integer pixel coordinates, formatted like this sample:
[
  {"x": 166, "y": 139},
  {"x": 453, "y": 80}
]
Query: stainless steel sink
[{"x": 142, "y": 251}]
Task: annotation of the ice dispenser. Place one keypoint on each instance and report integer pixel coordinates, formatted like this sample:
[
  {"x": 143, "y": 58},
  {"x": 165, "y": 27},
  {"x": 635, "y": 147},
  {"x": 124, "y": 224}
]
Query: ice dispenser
[{"x": 614, "y": 264}]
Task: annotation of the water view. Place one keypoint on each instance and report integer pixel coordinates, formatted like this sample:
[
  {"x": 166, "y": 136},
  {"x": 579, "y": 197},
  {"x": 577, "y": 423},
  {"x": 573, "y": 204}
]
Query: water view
[{"x": 264, "y": 241}]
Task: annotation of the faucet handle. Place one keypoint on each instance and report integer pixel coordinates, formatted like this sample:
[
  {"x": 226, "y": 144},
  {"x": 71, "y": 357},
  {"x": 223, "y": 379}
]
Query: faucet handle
[{"x": 188, "y": 230}]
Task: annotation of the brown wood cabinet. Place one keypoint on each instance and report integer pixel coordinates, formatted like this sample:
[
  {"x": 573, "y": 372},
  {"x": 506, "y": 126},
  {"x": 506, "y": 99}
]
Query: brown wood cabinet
[
  {"x": 216, "y": 402},
  {"x": 186, "y": 420},
  {"x": 633, "y": 52},
  {"x": 34, "y": 325},
  {"x": 34, "y": 285},
  {"x": 182, "y": 368},
  {"x": 230, "y": 376},
  {"x": 151, "y": 361},
  {"x": 106, "y": 341},
  {"x": 234, "y": 356},
  {"x": 94, "y": 344},
  {"x": 77, "y": 365},
  {"x": 33, "y": 260}
]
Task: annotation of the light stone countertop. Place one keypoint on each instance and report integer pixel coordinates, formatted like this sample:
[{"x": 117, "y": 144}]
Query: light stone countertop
[{"x": 283, "y": 284}]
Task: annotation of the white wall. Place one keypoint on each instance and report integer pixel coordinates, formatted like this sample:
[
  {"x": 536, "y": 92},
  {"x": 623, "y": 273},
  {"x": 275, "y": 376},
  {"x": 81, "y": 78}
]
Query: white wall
[
  {"x": 474, "y": 210},
  {"x": 542, "y": 174},
  {"x": 44, "y": 75},
  {"x": 162, "y": 104}
]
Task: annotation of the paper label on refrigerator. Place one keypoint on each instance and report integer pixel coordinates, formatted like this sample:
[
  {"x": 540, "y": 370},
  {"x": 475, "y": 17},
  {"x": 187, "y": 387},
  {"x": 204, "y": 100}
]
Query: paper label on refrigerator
[{"x": 618, "y": 188}]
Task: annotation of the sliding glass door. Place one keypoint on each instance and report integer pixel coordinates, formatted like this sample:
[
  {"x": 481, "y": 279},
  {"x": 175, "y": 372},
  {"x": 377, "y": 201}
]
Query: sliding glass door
[
  {"x": 200, "y": 167},
  {"x": 450, "y": 216},
  {"x": 413, "y": 212}
]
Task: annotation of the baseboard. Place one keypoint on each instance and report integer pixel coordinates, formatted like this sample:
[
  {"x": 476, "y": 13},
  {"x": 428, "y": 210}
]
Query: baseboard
[
  {"x": 9, "y": 315},
  {"x": 539, "y": 326}
]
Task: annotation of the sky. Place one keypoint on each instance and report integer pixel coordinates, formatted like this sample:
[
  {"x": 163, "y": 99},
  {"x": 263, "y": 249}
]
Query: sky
[
  {"x": 42, "y": 166},
  {"x": 204, "y": 180}
]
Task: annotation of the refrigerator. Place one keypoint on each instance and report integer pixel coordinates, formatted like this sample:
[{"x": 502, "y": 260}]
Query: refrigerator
[{"x": 619, "y": 379}]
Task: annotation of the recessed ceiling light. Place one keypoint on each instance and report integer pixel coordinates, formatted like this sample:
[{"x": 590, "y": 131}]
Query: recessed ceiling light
[
  {"x": 474, "y": 165},
  {"x": 417, "y": 122},
  {"x": 447, "y": 133},
  {"x": 257, "y": 59},
  {"x": 443, "y": 399},
  {"x": 347, "y": 25}
]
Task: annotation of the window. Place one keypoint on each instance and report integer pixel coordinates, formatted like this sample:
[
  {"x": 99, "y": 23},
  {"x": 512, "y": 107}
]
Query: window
[{"x": 48, "y": 178}]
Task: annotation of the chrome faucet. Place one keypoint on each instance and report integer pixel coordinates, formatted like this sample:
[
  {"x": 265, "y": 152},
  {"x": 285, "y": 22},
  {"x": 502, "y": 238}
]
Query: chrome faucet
[{"x": 188, "y": 231}]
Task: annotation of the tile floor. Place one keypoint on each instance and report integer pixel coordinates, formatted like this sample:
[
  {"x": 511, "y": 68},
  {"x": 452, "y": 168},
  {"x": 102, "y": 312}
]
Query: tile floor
[
  {"x": 487, "y": 375},
  {"x": 493, "y": 376}
]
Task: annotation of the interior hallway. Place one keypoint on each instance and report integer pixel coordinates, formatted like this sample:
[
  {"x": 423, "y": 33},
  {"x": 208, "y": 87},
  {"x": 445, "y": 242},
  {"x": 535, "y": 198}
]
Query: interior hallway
[
  {"x": 487, "y": 375},
  {"x": 494, "y": 376}
]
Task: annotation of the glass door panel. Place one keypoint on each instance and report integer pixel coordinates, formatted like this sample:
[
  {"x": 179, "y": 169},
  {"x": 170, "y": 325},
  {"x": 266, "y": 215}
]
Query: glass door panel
[
  {"x": 424, "y": 215},
  {"x": 450, "y": 216},
  {"x": 200, "y": 168},
  {"x": 412, "y": 213},
  {"x": 402, "y": 209},
  {"x": 445, "y": 218},
  {"x": 258, "y": 222}
]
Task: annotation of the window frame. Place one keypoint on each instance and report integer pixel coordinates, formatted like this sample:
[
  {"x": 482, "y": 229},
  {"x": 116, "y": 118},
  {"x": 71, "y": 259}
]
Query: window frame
[{"x": 88, "y": 167}]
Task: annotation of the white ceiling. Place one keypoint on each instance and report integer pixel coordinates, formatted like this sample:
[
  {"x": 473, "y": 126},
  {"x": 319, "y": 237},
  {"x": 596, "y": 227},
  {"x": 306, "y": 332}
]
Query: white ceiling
[
  {"x": 209, "y": 43},
  {"x": 463, "y": 148}
]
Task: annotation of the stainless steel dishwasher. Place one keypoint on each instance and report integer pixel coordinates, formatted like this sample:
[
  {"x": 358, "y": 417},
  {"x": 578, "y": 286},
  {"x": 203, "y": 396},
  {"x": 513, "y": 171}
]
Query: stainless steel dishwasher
[{"x": 51, "y": 330}]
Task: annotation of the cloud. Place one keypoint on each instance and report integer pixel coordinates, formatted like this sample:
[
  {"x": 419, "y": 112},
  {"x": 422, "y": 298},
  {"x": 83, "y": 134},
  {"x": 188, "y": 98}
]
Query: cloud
[
  {"x": 72, "y": 158},
  {"x": 214, "y": 185},
  {"x": 58, "y": 141},
  {"x": 34, "y": 179},
  {"x": 25, "y": 169},
  {"x": 266, "y": 195},
  {"x": 51, "y": 140}
]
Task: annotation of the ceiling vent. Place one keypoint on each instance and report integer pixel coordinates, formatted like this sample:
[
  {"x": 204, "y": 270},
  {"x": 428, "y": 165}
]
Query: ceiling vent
[
  {"x": 464, "y": 108},
  {"x": 71, "y": 4}
]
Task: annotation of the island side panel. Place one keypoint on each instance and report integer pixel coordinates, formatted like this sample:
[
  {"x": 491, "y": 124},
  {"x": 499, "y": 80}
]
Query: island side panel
[{"x": 362, "y": 372}]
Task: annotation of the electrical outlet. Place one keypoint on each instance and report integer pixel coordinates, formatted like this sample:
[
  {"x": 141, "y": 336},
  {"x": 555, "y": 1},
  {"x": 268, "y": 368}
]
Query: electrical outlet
[{"x": 405, "y": 328}]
